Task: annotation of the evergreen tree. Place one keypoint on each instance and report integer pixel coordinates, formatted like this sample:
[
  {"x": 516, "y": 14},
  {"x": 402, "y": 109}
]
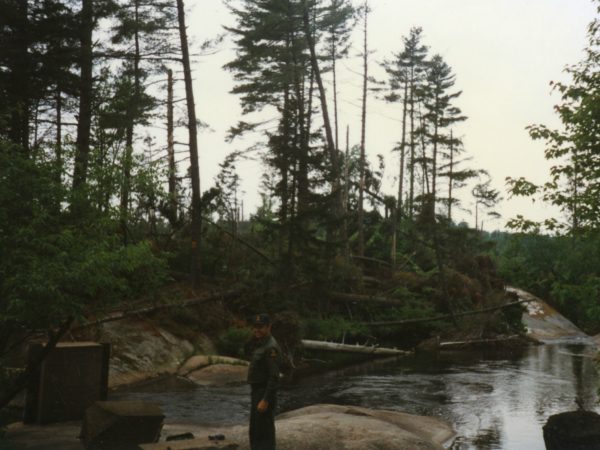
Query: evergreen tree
[
  {"x": 440, "y": 114},
  {"x": 406, "y": 75}
]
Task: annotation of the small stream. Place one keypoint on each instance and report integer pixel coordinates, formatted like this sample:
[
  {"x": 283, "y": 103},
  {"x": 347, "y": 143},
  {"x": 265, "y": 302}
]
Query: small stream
[{"x": 495, "y": 400}]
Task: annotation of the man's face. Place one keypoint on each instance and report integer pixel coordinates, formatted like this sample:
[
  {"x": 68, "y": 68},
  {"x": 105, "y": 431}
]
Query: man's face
[{"x": 260, "y": 331}]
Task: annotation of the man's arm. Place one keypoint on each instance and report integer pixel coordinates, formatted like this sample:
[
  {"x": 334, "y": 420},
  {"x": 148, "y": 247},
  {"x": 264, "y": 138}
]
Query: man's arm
[{"x": 272, "y": 362}]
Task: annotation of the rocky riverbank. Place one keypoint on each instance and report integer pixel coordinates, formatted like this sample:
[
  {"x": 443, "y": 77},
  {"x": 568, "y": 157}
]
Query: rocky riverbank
[
  {"x": 317, "y": 427},
  {"x": 143, "y": 351}
]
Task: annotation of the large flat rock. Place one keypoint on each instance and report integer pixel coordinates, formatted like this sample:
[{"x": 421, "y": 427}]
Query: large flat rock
[
  {"x": 334, "y": 427},
  {"x": 142, "y": 350},
  {"x": 546, "y": 324}
]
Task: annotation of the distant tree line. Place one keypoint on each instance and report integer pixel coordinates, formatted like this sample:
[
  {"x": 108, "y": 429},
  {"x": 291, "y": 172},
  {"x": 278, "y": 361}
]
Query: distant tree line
[{"x": 558, "y": 257}]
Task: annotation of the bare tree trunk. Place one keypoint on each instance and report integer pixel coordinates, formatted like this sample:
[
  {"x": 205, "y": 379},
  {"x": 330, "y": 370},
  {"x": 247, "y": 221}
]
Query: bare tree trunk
[
  {"x": 84, "y": 122},
  {"x": 58, "y": 143},
  {"x": 317, "y": 72},
  {"x": 347, "y": 170},
  {"x": 436, "y": 138},
  {"x": 193, "y": 143},
  {"x": 304, "y": 124},
  {"x": 346, "y": 193},
  {"x": 425, "y": 189},
  {"x": 402, "y": 149},
  {"x": 397, "y": 212},
  {"x": 450, "y": 176},
  {"x": 132, "y": 111},
  {"x": 172, "y": 207},
  {"x": 394, "y": 246},
  {"x": 283, "y": 164},
  {"x": 19, "y": 98},
  {"x": 411, "y": 163},
  {"x": 334, "y": 74},
  {"x": 361, "y": 187},
  {"x": 335, "y": 166},
  {"x": 335, "y": 347}
]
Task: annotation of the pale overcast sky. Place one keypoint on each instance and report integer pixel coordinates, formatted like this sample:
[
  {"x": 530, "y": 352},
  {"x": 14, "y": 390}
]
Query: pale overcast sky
[{"x": 504, "y": 54}]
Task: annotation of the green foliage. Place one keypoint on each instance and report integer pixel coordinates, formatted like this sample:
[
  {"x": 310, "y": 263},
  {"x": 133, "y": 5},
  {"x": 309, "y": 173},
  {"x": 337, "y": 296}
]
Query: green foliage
[
  {"x": 329, "y": 329},
  {"x": 563, "y": 269},
  {"x": 231, "y": 342},
  {"x": 53, "y": 264},
  {"x": 573, "y": 149},
  {"x": 582, "y": 300}
]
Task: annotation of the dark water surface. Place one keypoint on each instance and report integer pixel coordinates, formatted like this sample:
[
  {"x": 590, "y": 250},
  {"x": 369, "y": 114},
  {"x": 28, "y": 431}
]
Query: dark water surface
[{"x": 495, "y": 401}]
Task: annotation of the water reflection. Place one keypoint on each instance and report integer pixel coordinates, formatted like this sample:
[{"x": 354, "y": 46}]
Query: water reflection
[{"x": 496, "y": 401}]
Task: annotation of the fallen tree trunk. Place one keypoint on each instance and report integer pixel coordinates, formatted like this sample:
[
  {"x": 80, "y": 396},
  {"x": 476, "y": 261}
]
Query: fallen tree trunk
[
  {"x": 445, "y": 316},
  {"x": 364, "y": 298},
  {"x": 237, "y": 238},
  {"x": 120, "y": 315},
  {"x": 335, "y": 347},
  {"x": 373, "y": 260},
  {"x": 479, "y": 341}
]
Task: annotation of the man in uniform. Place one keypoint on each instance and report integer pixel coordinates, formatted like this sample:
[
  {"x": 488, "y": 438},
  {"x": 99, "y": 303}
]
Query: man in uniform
[{"x": 263, "y": 377}]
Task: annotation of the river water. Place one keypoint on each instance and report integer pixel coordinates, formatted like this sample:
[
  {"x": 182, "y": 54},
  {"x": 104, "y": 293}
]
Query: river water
[{"x": 495, "y": 400}]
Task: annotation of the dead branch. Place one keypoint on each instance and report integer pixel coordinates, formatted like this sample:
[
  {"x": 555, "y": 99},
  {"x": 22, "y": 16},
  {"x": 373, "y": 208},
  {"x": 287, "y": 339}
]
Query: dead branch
[
  {"x": 445, "y": 316},
  {"x": 120, "y": 315},
  {"x": 364, "y": 298}
]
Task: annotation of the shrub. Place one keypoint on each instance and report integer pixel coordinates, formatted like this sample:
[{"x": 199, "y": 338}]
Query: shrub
[{"x": 231, "y": 342}]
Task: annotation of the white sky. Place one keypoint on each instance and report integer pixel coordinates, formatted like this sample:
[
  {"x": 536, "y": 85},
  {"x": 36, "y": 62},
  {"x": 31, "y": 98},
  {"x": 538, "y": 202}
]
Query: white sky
[{"x": 504, "y": 54}]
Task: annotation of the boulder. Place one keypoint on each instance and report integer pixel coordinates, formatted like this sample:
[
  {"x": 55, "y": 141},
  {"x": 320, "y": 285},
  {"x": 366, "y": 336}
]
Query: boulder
[
  {"x": 321, "y": 427},
  {"x": 546, "y": 324},
  {"x": 121, "y": 425},
  {"x": 334, "y": 427},
  {"x": 219, "y": 375},
  {"x": 574, "y": 430},
  {"x": 142, "y": 350},
  {"x": 199, "y": 361}
]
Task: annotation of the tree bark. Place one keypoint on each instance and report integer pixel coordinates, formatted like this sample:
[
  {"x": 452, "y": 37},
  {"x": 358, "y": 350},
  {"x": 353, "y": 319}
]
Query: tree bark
[
  {"x": 445, "y": 316},
  {"x": 335, "y": 167},
  {"x": 196, "y": 224},
  {"x": 335, "y": 347},
  {"x": 450, "y": 176},
  {"x": 411, "y": 163},
  {"x": 18, "y": 130},
  {"x": 84, "y": 122},
  {"x": 132, "y": 113},
  {"x": 365, "y": 298},
  {"x": 361, "y": 187},
  {"x": 58, "y": 143},
  {"x": 172, "y": 206}
]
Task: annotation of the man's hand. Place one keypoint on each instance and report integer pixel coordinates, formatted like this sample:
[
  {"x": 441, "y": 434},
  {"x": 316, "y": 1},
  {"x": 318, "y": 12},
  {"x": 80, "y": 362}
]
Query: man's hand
[{"x": 262, "y": 406}]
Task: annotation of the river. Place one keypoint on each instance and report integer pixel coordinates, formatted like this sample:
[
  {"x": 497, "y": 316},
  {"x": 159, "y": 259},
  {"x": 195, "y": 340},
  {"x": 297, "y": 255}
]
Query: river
[{"x": 495, "y": 400}]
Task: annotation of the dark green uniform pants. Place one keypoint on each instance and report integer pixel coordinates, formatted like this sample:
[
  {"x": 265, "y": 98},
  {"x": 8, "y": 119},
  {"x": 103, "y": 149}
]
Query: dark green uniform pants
[{"x": 262, "y": 425}]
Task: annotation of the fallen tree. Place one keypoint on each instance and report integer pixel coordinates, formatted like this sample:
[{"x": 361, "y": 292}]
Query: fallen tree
[
  {"x": 335, "y": 347},
  {"x": 468, "y": 342},
  {"x": 445, "y": 316},
  {"x": 361, "y": 298},
  {"x": 120, "y": 315}
]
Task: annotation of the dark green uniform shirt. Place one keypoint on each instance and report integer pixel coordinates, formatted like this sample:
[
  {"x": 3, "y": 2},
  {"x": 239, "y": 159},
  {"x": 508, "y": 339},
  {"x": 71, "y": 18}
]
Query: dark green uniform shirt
[{"x": 264, "y": 366}]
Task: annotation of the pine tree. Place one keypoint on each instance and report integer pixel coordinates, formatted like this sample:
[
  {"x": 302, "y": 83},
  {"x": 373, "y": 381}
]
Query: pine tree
[
  {"x": 440, "y": 114},
  {"x": 406, "y": 72},
  {"x": 196, "y": 222}
]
